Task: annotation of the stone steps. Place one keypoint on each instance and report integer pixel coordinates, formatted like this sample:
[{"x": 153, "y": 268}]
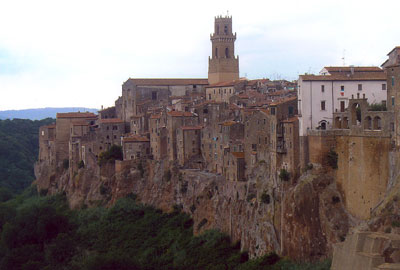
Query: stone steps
[
  {"x": 365, "y": 251},
  {"x": 388, "y": 266}
]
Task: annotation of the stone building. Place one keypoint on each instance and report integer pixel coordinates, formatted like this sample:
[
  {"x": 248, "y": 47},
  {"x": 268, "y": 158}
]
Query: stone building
[
  {"x": 392, "y": 68},
  {"x": 109, "y": 132},
  {"x": 221, "y": 92},
  {"x": 319, "y": 96},
  {"x": 158, "y": 136},
  {"x": 47, "y": 136},
  {"x": 135, "y": 147},
  {"x": 176, "y": 120},
  {"x": 139, "y": 94},
  {"x": 64, "y": 127},
  {"x": 223, "y": 66},
  {"x": 235, "y": 166},
  {"x": 188, "y": 146}
]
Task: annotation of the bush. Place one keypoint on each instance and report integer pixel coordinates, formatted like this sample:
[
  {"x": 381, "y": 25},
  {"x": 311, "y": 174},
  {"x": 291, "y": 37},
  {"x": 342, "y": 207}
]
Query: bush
[
  {"x": 377, "y": 107},
  {"x": 284, "y": 175},
  {"x": 114, "y": 153},
  {"x": 332, "y": 159},
  {"x": 265, "y": 198}
]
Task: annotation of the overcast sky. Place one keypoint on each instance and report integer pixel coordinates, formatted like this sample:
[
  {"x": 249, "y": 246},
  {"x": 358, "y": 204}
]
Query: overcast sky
[{"x": 78, "y": 53}]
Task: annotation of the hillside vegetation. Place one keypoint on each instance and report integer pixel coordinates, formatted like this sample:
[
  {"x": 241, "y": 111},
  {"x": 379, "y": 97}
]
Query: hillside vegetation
[
  {"x": 42, "y": 233},
  {"x": 19, "y": 148}
]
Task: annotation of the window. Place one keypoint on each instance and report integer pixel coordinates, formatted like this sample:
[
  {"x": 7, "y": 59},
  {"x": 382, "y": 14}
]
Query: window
[
  {"x": 154, "y": 95},
  {"x": 273, "y": 111},
  {"x": 225, "y": 91},
  {"x": 217, "y": 30},
  {"x": 226, "y": 29},
  {"x": 216, "y": 52},
  {"x": 322, "y": 88},
  {"x": 226, "y": 53},
  {"x": 392, "y": 80},
  {"x": 209, "y": 96},
  {"x": 392, "y": 100},
  {"x": 383, "y": 86},
  {"x": 359, "y": 87},
  {"x": 323, "y": 105},
  {"x": 342, "y": 88},
  {"x": 342, "y": 105}
]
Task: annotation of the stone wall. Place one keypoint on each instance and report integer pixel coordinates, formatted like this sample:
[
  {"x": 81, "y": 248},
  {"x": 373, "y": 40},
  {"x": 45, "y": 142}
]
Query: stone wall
[{"x": 363, "y": 172}]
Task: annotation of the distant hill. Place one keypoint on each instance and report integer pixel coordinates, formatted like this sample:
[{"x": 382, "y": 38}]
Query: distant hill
[{"x": 42, "y": 113}]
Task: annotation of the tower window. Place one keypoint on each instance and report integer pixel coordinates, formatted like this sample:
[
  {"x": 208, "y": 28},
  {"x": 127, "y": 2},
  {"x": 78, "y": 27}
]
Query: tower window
[
  {"x": 226, "y": 29},
  {"x": 217, "y": 29},
  {"x": 226, "y": 52},
  {"x": 216, "y": 52}
]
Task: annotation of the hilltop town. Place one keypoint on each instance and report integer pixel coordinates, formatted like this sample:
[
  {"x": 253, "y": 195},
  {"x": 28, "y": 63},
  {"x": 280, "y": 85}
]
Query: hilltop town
[{"x": 276, "y": 164}]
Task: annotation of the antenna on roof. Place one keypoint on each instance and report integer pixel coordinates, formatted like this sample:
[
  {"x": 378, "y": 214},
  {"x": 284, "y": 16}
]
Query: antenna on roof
[{"x": 344, "y": 57}]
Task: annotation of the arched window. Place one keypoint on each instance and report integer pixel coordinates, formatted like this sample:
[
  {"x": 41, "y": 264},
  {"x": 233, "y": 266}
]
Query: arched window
[
  {"x": 345, "y": 122},
  {"x": 368, "y": 122},
  {"x": 216, "y": 52},
  {"x": 322, "y": 125},
  {"x": 338, "y": 122},
  {"x": 377, "y": 123},
  {"x": 226, "y": 53}
]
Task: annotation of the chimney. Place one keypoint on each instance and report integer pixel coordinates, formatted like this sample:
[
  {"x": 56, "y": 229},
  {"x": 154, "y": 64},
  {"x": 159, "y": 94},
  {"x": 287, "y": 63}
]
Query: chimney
[{"x": 352, "y": 70}]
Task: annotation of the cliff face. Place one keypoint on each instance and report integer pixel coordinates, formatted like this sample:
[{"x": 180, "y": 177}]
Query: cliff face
[{"x": 310, "y": 211}]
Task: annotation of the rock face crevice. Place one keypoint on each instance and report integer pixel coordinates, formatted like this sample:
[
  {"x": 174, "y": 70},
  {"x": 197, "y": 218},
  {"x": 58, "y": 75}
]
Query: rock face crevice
[{"x": 299, "y": 219}]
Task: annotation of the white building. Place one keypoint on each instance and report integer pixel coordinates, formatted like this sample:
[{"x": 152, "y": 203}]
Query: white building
[{"x": 319, "y": 96}]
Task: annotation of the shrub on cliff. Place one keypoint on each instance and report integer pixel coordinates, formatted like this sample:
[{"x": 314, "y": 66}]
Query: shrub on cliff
[
  {"x": 284, "y": 175},
  {"x": 114, "y": 153}
]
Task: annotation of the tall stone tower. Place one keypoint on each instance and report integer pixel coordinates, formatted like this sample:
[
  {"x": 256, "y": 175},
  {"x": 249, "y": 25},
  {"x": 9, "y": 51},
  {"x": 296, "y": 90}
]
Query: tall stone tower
[{"x": 223, "y": 66}]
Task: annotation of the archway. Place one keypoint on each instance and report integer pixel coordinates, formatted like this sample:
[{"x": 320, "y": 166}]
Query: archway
[
  {"x": 368, "y": 122},
  {"x": 338, "y": 123},
  {"x": 377, "y": 125},
  {"x": 345, "y": 122}
]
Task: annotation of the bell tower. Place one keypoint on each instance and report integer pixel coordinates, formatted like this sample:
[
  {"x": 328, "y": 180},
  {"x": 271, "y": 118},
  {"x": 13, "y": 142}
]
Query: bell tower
[{"x": 223, "y": 66}]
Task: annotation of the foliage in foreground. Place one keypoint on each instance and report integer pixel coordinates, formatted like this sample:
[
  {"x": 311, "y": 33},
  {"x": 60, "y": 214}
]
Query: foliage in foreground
[
  {"x": 42, "y": 233},
  {"x": 19, "y": 146}
]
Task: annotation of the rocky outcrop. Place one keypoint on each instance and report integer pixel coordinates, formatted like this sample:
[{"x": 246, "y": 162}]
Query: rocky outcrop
[{"x": 301, "y": 220}]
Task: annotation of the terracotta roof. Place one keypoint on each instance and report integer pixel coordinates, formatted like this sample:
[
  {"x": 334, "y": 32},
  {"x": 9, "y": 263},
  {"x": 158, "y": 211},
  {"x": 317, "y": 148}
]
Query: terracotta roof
[
  {"x": 191, "y": 127},
  {"x": 360, "y": 76},
  {"x": 111, "y": 121},
  {"x": 355, "y": 69},
  {"x": 238, "y": 154},
  {"x": 171, "y": 81},
  {"x": 180, "y": 114},
  {"x": 155, "y": 116},
  {"x": 228, "y": 123},
  {"x": 281, "y": 101},
  {"x": 76, "y": 115},
  {"x": 50, "y": 126},
  {"x": 243, "y": 96},
  {"x": 135, "y": 139}
]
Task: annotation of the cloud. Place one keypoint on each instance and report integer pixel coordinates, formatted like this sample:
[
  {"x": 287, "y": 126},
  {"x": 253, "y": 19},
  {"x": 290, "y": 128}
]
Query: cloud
[{"x": 78, "y": 53}]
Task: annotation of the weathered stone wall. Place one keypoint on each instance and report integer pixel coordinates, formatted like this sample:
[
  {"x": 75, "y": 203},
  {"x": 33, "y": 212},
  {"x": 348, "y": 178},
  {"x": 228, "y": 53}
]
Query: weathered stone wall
[{"x": 363, "y": 172}]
